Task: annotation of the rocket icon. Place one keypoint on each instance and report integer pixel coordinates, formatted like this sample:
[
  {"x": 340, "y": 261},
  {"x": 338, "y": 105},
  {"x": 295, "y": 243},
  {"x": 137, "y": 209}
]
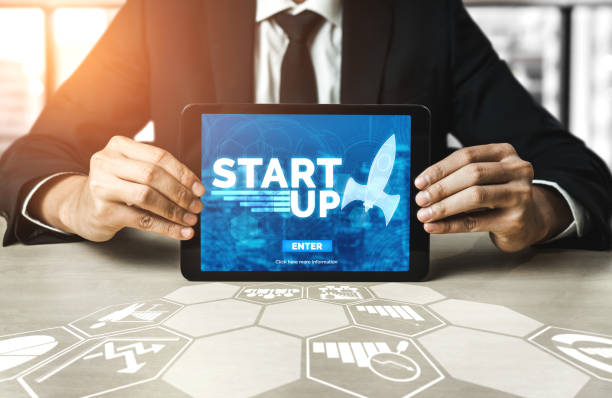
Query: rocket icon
[{"x": 372, "y": 194}]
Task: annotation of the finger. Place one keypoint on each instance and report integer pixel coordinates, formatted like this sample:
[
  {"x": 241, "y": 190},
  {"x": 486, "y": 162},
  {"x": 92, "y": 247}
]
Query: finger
[
  {"x": 144, "y": 221},
  {"x": 473, "y": 198},
  {"x": 146, "y": 198},
  {"x": 467, "y": 176},
  {"x": 149, "y": 174},
  {"x": 475, "y": 222},
  {"x": 460, "y": 158},
  {"x": 151, "y": 154}
]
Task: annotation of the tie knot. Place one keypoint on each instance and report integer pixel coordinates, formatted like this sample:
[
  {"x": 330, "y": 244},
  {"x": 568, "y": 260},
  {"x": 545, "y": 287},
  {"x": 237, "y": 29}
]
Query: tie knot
[{"x": 298, "y": 27}]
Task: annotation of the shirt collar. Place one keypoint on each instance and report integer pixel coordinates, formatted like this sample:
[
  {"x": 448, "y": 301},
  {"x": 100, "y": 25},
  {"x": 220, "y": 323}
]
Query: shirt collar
[{"x": 331, "y": 10}]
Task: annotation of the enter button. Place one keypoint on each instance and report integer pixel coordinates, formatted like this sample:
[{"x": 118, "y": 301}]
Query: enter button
[{"x": 307, "y": 246}]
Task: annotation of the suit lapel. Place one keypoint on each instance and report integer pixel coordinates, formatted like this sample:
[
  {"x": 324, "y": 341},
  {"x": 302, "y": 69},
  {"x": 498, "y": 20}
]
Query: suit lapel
[
  {"x": 230, "y": 33},
  {"x": 366, "y": 30}
]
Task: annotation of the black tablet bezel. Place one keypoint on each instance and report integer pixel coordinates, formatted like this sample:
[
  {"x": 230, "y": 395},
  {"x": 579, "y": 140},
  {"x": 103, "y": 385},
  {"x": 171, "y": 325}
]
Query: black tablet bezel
[{"x": 190, "y": 154}]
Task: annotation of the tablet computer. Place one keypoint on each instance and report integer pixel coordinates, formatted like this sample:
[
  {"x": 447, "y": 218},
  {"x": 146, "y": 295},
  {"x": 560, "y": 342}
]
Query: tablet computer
[{"x": 306, "y": 192}]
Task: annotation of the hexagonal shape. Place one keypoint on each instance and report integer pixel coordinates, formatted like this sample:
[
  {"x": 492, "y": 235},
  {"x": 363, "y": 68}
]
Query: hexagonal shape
[
  {"x": 270, "y": 293},
  {"x": 490, "y": 317},
  {"x": 242, "y": 363},
  {"x": 588, "y": 351},
  {"x": 20, "y": 353},
  {"x": 208, "y": 318},
  {"x": 304, "y": 317},
  {"x": 504, "y": 363},
  {"x": 338, "y": 293},
  {"x": 394, "y": 316},
  {"x": 107, "y": 364},
  {"x": 203, "y": 292},
  {"x": 367, "y": 363},
  {"x": 124, "y": 317},
  {"x": 411, "y": 293}
]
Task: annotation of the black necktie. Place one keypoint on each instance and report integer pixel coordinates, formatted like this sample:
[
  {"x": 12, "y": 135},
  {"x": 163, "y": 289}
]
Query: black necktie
[{"x": 298, "y": 82}]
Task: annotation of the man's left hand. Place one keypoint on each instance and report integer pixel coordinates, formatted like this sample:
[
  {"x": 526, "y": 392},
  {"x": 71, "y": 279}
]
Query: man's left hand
[{"x": 489, "y": 188}]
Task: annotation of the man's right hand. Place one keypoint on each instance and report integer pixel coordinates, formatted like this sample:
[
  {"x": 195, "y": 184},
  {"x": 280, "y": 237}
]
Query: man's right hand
[{"x": 130, "y": 184}]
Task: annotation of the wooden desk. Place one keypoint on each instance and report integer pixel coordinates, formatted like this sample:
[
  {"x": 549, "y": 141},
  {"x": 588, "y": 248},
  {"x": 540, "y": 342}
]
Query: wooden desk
[{"x": 87, "y": 318}]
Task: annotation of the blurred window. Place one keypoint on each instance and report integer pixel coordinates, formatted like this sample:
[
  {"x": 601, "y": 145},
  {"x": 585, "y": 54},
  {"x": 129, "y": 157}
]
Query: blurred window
[
  {"x": 22, "y": 69},
  {"x": 591, "y": 95},
  {"x": 528, "y": 38},
  {"x": 76, "y": 32}
]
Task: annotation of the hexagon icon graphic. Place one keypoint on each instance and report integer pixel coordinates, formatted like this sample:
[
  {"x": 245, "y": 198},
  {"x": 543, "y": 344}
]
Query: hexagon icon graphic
[
  {"x": 503, "y": 363},
  {"x": 366, "y": 363},
  {"x": 304, "y": 317},
  {"x": 202, "y": 292},
  {"x": 406, "y": 292},
  {"x": 270, "y": 293},
  {"x": 124, "y": 317},
  {"x": 242, "y": 363},
  {"x": 339, "y": 293},
  {"x": 218, "y": 316},
  {"x": 489, "y": 317},
  {"x": 102, "y": 365},
  {"x": 394, "y": 316},
  {"x": 588, "y": 351},
  {"x": 21, "y": 352}
]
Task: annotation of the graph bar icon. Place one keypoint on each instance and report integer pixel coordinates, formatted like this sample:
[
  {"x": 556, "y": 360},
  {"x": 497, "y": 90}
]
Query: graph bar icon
[
  {"x": 382, "y": 347},
  {"x": 395, "y": 311},
  {"x": 401, "y": 312},
  {"x": 346, "y": 353},
  {"x": 381, "y": 310},
  {"x": 370, "y": 349},
  {"x": 391, "y": 311},
  {"x": 351, "y": 352},
  {"x": 318, "y": 347},
  {"x": 360, "y": 355},
  {"x": 332, "y": 350},
  {"x": 412, "y": 313}
]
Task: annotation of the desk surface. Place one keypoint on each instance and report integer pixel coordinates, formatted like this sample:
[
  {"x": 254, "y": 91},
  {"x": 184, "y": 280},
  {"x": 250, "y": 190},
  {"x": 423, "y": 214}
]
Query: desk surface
[{"x": 118, "y": 318}]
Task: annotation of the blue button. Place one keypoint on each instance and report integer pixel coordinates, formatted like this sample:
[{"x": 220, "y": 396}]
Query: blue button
[{"x": 307, "y": 246}]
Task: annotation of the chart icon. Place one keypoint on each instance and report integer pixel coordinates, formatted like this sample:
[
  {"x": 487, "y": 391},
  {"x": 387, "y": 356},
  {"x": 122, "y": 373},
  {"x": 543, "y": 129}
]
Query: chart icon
[
  {"x": 369, "y": 363},
  {"x": 394, "y": 316}
]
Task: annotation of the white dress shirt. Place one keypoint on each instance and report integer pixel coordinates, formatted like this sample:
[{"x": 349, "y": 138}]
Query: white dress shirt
[
  {"x": 326, "y": 51},
  {"x": 271, "y": 43}
]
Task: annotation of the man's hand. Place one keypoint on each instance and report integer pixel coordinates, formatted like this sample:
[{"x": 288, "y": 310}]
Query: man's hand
[
  {"x": 489, "y": 188},
  {"x": 130, "y": 184}
]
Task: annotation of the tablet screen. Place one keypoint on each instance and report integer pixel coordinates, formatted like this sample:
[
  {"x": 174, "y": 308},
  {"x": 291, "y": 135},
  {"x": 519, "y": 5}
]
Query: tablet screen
[{"x": 301, "y": 192}]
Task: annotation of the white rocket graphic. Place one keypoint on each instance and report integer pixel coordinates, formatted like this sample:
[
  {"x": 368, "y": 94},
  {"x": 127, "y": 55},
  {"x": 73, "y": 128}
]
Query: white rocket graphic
[{"x": 372, "y": 194}]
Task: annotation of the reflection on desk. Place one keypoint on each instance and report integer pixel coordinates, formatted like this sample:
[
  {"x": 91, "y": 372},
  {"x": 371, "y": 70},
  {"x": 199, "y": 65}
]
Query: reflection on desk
[{"x": 89, "y": 319}]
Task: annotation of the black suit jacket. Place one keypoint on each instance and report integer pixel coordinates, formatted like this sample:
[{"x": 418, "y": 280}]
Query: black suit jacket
[{"x": 158, "y": 56}]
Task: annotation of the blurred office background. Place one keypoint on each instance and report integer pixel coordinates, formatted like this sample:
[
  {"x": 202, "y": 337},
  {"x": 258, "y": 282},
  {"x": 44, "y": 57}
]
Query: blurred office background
[{"x": 560, "y": 50}]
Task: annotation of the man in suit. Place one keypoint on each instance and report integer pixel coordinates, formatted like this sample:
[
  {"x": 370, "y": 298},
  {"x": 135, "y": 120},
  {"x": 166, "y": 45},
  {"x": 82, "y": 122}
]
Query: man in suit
[{"x": 521, "y": 175}]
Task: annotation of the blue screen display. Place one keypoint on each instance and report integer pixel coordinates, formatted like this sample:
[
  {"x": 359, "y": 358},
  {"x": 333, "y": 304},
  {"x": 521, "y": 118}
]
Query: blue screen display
[{"x": 296, "y": 192}]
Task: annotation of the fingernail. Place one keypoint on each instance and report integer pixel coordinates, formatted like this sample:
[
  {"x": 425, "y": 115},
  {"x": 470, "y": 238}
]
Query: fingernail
[
  {"x": 423, "y": 198},
  {"x": 190, "y": 218},
  {"x": 422, "y": 181},
  {"x": 198, "y": 189},
  {"x": 196, "y": 206},
  {"x": 424, "y": 214},
  {"x": 187, "y": 232},
  {"x": 430, "y": 228}
]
